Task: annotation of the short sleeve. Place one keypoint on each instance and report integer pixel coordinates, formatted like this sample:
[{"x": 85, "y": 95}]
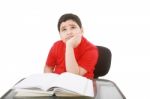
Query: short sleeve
[
  {"x": 89, "y": 59},
  {"x": 51, "y": 58}
]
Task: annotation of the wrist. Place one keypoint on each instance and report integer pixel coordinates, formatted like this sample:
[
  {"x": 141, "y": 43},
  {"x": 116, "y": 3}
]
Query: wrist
[{"x": 68, "y": 44}]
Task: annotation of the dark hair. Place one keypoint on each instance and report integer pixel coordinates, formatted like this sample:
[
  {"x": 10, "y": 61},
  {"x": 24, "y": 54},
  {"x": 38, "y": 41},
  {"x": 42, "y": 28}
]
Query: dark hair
[{"x": 69, "y": 16}]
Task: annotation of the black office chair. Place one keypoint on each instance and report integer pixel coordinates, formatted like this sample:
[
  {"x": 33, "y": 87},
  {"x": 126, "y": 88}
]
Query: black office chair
[
  {"x": 102, "y": 67},
  {"x": 104, "y": 61}
]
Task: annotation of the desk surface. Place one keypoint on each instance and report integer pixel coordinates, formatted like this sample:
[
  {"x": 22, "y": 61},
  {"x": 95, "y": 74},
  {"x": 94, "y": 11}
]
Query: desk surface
[{"x": 105, "y": 90}]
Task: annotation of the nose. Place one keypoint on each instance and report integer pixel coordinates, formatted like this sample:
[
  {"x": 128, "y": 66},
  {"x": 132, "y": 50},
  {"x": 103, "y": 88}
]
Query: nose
[{"x": 69, "y": 32}]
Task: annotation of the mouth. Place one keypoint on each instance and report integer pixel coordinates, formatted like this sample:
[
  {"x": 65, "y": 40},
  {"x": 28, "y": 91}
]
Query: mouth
[{"x": 69, "y": 37}]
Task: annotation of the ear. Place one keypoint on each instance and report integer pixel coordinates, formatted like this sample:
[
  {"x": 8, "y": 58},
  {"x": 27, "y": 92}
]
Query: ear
[{"x": 82, "y": 30}]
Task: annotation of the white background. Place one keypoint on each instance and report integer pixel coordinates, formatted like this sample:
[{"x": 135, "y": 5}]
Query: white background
[{"x": 28, "y": 28}]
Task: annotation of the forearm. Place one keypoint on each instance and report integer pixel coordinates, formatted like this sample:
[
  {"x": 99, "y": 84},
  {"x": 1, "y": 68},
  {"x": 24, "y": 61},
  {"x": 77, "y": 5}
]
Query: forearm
[
  {"x": 48, "y": 69},
  {"x": 71, "y": 63}
]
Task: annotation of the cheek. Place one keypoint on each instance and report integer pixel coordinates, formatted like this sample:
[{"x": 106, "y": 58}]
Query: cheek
[
  {"x": 62, "y": 37},
  {"x": 77, "y": 31}
]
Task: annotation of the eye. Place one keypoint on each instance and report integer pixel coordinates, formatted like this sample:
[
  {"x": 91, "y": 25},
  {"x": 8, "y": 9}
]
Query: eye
[
  {"x": 73, "y": 27},
  {"x": 63, "y": 29}
]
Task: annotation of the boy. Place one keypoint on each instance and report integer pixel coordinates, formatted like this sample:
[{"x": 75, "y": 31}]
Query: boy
[{"x": 73, "y": 53}]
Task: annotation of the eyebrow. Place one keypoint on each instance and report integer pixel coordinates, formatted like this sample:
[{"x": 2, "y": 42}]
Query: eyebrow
[
  {"x": 72, "y": 24},
  {"x": 69, "y": 25}
]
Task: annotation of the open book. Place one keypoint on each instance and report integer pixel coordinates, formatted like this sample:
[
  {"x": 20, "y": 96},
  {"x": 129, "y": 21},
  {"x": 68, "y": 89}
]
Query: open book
[{"x": 48, "y": 84}]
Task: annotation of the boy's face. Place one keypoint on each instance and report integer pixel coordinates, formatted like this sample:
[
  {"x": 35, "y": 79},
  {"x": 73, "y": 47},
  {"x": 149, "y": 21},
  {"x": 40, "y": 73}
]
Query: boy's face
[{"x": 69, "y": 29}]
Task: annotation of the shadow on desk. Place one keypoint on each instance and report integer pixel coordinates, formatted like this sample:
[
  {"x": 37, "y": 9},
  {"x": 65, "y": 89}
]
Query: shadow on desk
[{"x": 105, "y": 90}]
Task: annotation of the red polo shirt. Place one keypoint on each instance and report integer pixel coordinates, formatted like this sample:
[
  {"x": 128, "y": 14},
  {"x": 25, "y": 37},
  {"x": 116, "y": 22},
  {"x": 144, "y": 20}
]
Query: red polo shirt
[{"x": 86, "y": 55}]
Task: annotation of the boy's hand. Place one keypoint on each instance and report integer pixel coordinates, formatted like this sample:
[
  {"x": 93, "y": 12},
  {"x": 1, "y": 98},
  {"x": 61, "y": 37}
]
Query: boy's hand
[{"x": 74, "y": 41}]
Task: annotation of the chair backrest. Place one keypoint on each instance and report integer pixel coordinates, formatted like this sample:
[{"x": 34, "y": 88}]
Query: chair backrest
[{"x": 104, "y": 61}]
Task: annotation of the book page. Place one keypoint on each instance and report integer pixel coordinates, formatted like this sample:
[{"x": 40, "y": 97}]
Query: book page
[
  {"x": 32, "y": 93},
  {"x": 41, "y": 81},
  {"x": 89, "y": 89},
  {"x": 64, "y": 92},
  {"x": 75, "y": 83}
]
